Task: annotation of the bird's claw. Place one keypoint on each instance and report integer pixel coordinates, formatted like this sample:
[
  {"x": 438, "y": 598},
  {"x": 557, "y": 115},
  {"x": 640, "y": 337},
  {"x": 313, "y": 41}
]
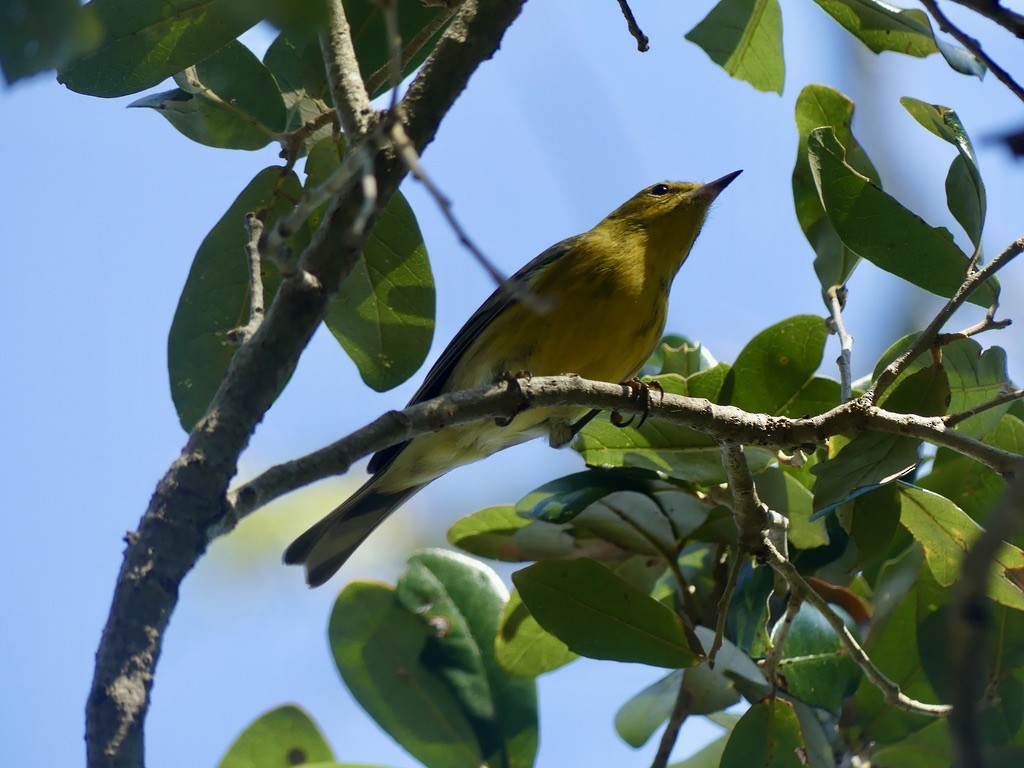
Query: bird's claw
[
  {"x": 512, "y": 379},
  {"x": 641, "y": 392}
]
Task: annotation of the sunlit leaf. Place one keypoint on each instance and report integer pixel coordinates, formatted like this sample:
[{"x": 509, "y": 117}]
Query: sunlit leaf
[
  {"x": 879, "y": 229},
  {"x": 744, "y": 37},
  {"x": 522, "y": 647},
  {"x": 282, "y": 737}
]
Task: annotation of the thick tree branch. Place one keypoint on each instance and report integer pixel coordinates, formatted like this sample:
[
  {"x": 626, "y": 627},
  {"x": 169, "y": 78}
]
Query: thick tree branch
[
  {"x": 927, "y": 338},
  {"x": 970, "y": 623},
  {"x": 191, "y": 498},
  {"x": 243, "y": 333}
]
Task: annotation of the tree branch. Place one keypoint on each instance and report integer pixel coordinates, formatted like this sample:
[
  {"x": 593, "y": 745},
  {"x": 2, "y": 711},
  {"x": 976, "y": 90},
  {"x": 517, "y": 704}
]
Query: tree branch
[
  {"x": 643, "y": 44},
  {"x": 351, "y": 100},
  {"x": 1006, "y": 397},
  {"x": 190, "y": 500},
  {"x": 890, "y": 690},
  {"x": 927, "y": 338},
  {"x": 243, "y": 333},
  {"x": 972, "y": 45},
  {"x": 836, "y": 301},
  {"x": 723, "y": 422},
  {"x": 992, "y": 9}
]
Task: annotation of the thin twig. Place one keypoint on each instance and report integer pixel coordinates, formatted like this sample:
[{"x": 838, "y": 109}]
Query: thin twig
[
  {"x": 243, "y": 333},
  {"x": 642, "y": 43},
  {"x": 680, "y": 710},
  {"x": 1006, "y": 397},
  {"x": 771, "y": 662},
  {"x": 723, "y": 607},
  {"x": 375, "y": 81},
  {"x": 412, "y": 161},
  {"x": 991, "y": 9},
  {"x": 926, "y": 338},
  {"x": 890, "y": 691},
  {"x": 836, "y": 301},
  {"x": 970, "y": 622},
  {"x": 972, "y": 45},
  {"x": 988, "y": 324},
  {"x": 351, "y": 100}
]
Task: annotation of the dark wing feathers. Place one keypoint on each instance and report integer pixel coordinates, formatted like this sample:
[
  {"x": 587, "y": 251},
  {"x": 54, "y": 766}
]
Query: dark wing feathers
[{"x": 499, "y": 301}]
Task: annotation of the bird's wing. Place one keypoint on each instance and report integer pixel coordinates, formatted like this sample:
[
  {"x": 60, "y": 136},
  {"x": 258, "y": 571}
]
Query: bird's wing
[{"x": 437, "y": 378}]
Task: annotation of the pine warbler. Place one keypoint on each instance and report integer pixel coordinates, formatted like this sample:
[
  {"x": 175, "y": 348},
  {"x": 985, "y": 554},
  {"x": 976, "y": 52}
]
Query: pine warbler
[{"x": 605, "y": 294}]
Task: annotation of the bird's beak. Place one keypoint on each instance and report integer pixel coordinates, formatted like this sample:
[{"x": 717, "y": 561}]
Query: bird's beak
[{"x": 712, "y": 189}]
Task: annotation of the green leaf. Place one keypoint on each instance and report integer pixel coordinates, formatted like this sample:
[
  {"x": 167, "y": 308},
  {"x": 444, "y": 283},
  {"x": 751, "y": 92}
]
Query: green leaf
[
  {"x": 215, "y": 298},
  {"x": 975, "y": 377},
  {"x": 747, "y": 620},
  {"x": 784, "y": 494},
  {"x": 561, "y": 500},
  {"x": 383, "y": 313},
  {"x": 522, "y": 647},
  {"x": 678, "y": 354},
  {"x": 707, "y": 691},
  {"x": 873, "y": 459},
  {"x": 893, "y": 646},
  {"x": 682, "y": 453},
  {"x": 925, "y": 748},
  {"x": 774, "y": 371},
  {"x": 744, "y": 37},
  {"x": 882, "y": 27},
  {"x": 879, "y": 229},
  {"x": 597, "y": 614},
  {"x": 463, "y": 601},
  {"x": 816, "y": 667},
  {"x": 282, "y": 737},
  {"x": 874, "y": 520},
  {"x": 37, "y": 36},
  {"x": 965, "y": 191},
  {"x": 767, "y": 736},
  {"x": 967, "y": 483},
  {"x": 230, "y": 101},
  {"x": 816, "y": 106},
  {"x": 146, "y": 41},
  {"x": 946, "y": 533},
  {"x": 296, "y": 62},
  {"x": 419, "y": 25},
  {"x": 488, "y": 533},
  {"x": 378, "y": 647}
]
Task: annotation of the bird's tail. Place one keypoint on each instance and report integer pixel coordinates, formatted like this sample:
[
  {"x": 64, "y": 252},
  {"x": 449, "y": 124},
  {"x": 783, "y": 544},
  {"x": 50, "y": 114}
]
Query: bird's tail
[{"x": 325, "y": 547}]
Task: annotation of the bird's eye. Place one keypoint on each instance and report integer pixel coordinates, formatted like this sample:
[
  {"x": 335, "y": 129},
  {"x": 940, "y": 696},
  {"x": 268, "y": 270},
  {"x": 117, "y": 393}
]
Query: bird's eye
[{"x": 659, "y": 189}]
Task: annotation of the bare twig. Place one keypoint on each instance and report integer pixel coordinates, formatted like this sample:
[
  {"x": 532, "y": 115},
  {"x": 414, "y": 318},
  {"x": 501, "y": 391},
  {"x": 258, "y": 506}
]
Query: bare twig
[
  {"x": 771, "y": 662},
  {"x": 836, "y": 301},
  {"x": 992, "y": 9},
  {"x": 970, "y": 622},
  {"x": 642, "y": 43},
  {"x": 989, "y": 323},
  {"x": 243, "y": 333},
  {"x": 972, "y": 45},
  {"x": 351, "y": 101},
  {"x": 890, "y": 690},
  {"x": 926, "y": 339},
  {"x": 1006, "y": 397},
  {"x": 385, "y": 74},
  {"x": 723, "y": 607},
  {"x": 680, "y": 709}
]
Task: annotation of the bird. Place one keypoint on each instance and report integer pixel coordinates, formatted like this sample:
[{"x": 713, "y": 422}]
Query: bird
[{"x": 599, "y": 311}]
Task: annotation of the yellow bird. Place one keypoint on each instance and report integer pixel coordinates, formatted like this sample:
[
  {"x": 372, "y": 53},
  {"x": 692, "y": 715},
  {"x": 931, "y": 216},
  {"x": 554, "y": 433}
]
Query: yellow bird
[{"x": 605, "y": 297}]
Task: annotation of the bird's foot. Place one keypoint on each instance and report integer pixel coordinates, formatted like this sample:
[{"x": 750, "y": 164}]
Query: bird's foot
[
  {"x": 641, "y": 392},
  {"x": 563, "y": 432},
  {"x": 512, "y": 379}
]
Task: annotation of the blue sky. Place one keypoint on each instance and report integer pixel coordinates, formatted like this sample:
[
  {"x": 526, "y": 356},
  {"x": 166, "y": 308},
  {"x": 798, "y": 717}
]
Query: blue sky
[{"x": 103, "y": 209}]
